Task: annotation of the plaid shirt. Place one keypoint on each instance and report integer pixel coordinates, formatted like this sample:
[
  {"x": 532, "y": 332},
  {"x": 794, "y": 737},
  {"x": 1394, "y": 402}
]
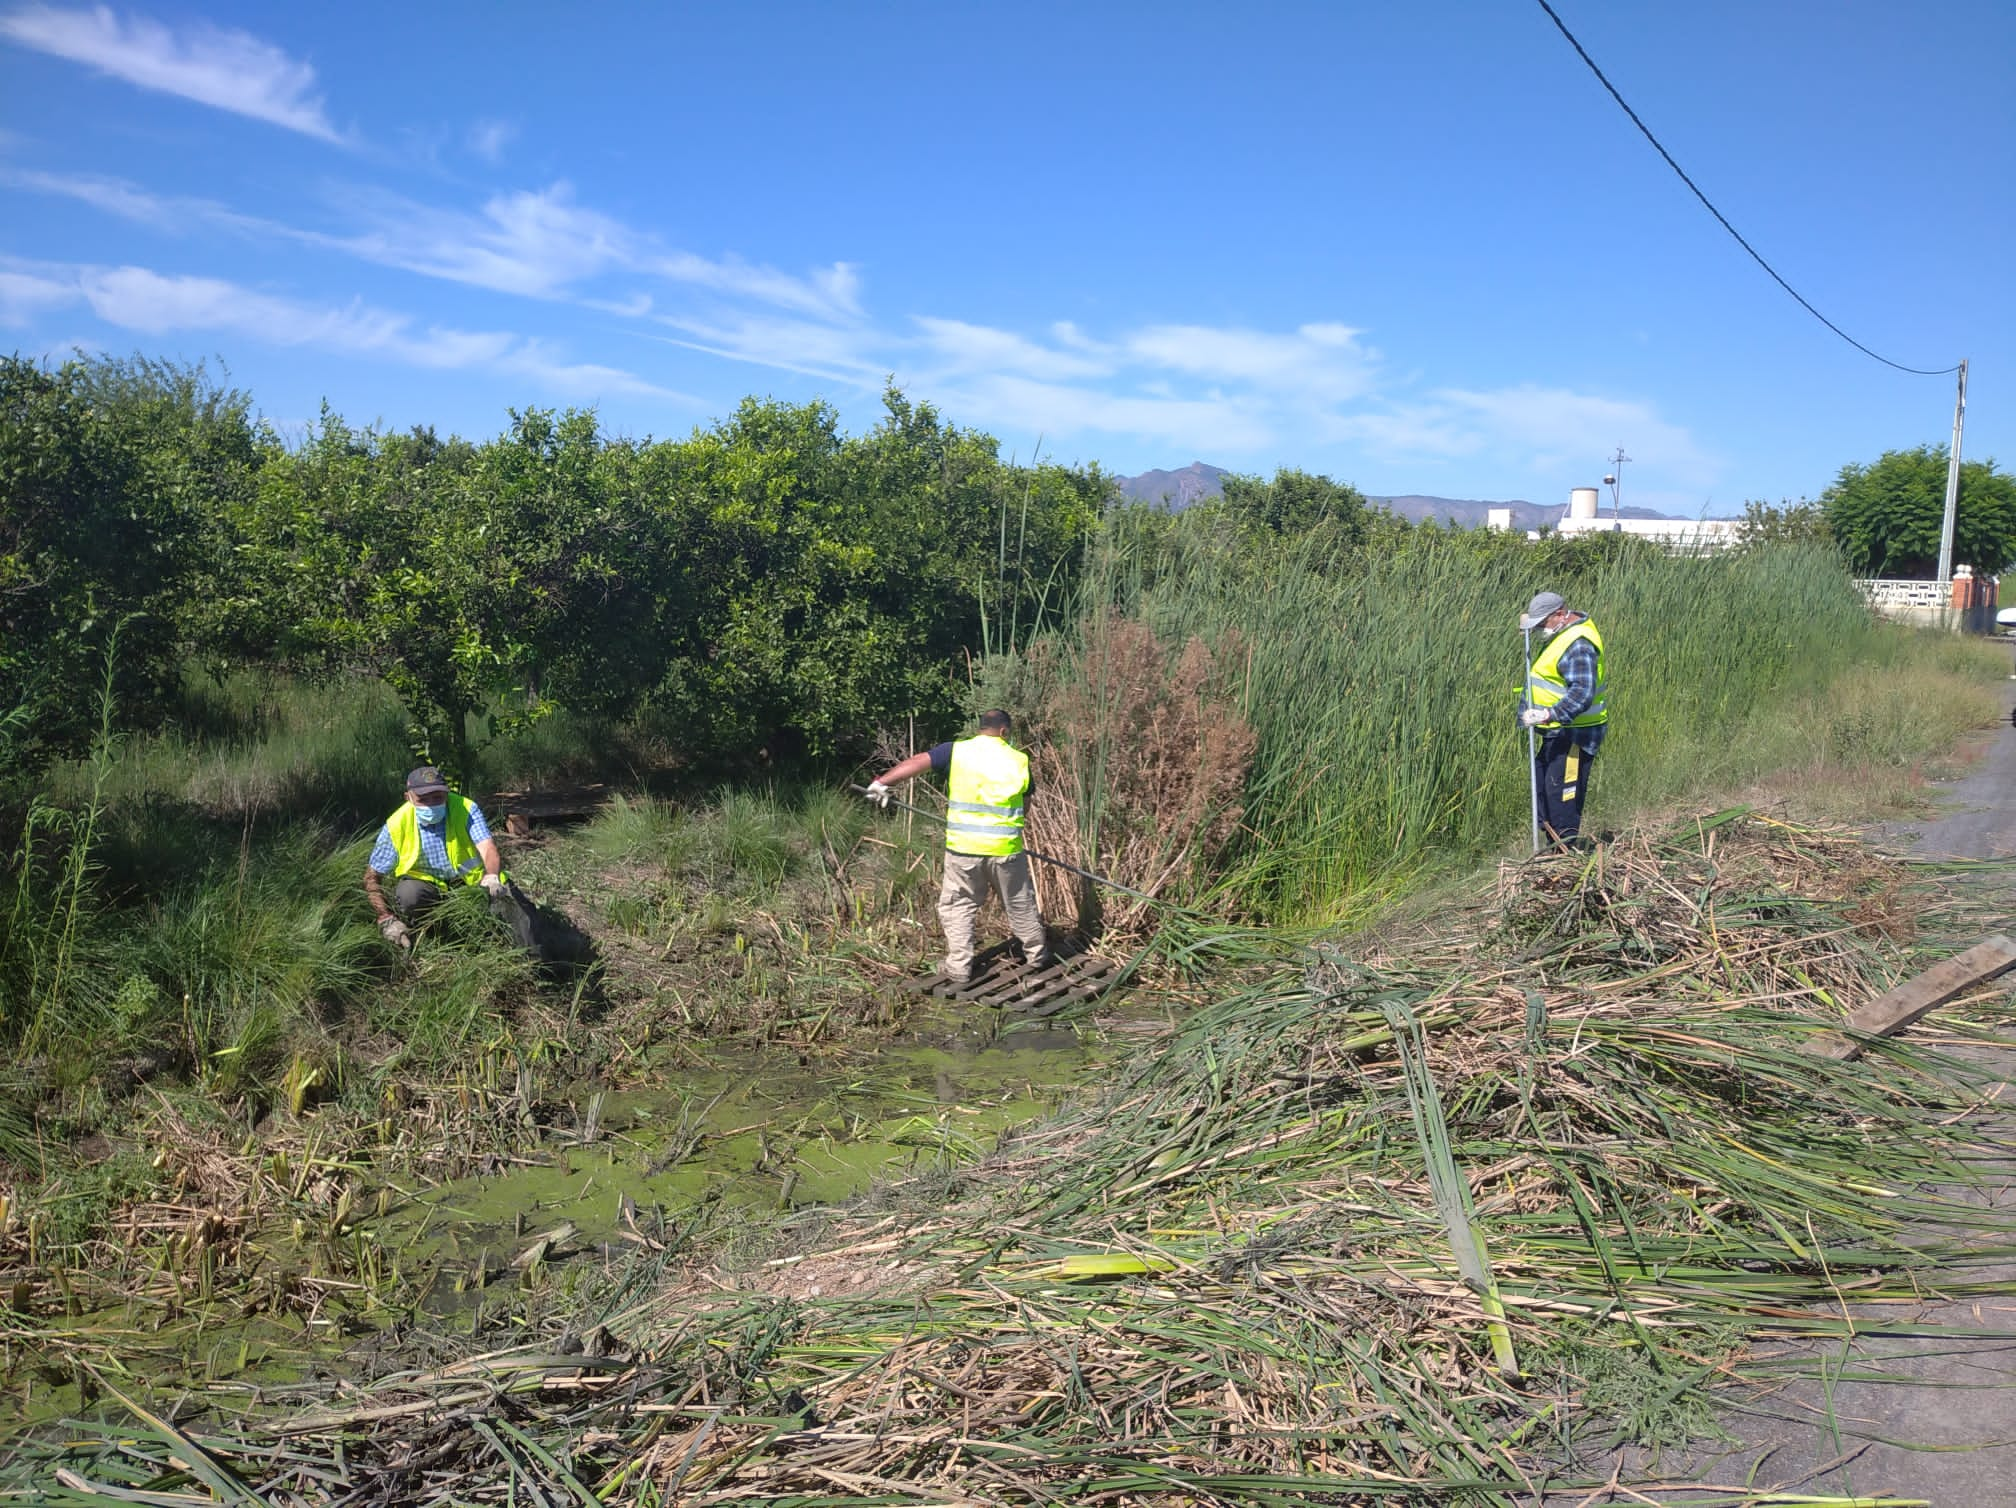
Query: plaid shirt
[
  {"x": 433, "y": 845},
  {"x": 1578, "y": 671}
]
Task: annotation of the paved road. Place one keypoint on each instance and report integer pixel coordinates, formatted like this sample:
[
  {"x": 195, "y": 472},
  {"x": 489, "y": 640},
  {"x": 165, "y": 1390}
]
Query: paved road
[{"x": 1931, "y": 1420}]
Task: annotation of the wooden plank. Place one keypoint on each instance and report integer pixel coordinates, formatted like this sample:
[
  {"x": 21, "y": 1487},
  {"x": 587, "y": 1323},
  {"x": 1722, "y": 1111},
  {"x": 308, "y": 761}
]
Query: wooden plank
[{"x": 1918, "y": 996}]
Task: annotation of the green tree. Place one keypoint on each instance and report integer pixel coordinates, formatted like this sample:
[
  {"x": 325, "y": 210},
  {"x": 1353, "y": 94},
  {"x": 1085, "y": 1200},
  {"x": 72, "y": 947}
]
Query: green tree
[
  {"x": 1887, "y": 515},
  {"x": 1787, "y": 523},
  {"x": 113, "y": 474},
  {"x": 849, "y": 580},
  {"x": 480, "y": 583},
  {"x": 1294, "y": 503}
]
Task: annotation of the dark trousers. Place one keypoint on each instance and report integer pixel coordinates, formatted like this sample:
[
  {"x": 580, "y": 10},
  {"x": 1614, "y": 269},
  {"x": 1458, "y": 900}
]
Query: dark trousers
[
  {"x": 414, "y": 898},
  {"x": 1563, "y": 767}
]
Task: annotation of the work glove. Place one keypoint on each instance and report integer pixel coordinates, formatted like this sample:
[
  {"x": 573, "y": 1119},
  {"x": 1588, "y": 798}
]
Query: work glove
[
  {"x": 494, "y": 883},
  {"x": 396, "y": 932},
  {"x": 879, "y": 793},
  {"x": 1533, "y": 717}
]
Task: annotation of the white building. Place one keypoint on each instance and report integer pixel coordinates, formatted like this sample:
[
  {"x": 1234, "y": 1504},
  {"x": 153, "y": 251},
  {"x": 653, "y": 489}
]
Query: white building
[{"x": 1677, "y": 533}]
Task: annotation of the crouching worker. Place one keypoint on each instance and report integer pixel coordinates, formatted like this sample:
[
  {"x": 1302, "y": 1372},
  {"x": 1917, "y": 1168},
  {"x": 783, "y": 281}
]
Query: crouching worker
[
  {"x": 988, "y": 782},
  {"x": 436, "y": 840}
]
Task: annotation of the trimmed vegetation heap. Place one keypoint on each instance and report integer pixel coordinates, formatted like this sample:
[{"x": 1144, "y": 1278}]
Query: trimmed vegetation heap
[{"x": 1233, "y": 1277}]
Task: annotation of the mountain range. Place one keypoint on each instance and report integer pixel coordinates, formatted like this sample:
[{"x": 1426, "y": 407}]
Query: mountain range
[{"x": 1177, "y": 490}]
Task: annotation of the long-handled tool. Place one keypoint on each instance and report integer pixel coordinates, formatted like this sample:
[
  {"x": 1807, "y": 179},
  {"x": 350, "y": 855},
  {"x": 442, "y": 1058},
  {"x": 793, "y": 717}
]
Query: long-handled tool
[
  {"x": 1532, "y": 740},
  {"x": 1097, "y": 879}
]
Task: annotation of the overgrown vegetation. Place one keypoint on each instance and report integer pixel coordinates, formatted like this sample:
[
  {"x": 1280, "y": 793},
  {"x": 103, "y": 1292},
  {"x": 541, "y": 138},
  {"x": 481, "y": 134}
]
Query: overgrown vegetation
[
  {"x": 1228, "y": 1273},
  {"x": 1227, "y": 1278}
]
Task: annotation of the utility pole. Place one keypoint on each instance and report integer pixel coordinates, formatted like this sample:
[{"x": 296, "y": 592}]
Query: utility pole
[
  {"x": 1615, "y": 482},
  {"x": 1953, "y": 481}
]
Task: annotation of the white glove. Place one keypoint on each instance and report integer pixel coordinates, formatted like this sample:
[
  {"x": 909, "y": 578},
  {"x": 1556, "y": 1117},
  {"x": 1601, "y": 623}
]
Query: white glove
[
  {"x": 879, "y": 793},
  {"x": 494, "y": 883},
  {"x": 1533, "y": 717},
  {"x": 396, "y": 932}
]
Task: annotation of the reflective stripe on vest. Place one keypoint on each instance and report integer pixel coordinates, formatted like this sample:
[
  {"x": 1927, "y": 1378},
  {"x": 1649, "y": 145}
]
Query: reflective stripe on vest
[
  {"x": 404, "y": 826},
  {"x": 1545, "y": 685},
  {"x": 988, "y": 781}
]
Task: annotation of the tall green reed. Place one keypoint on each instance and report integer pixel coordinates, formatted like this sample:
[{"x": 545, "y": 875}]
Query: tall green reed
[
  {"x": 1382, "y": 683},
  {"x": 39, "y": 963}
]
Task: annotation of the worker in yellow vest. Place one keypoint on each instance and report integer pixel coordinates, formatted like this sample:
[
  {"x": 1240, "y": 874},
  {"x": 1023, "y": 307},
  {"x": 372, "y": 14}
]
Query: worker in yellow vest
[
  {"x": 436, "y": 840},
  {"x": 988, "y": 783},
  {"x": 1566, "y": 690}
]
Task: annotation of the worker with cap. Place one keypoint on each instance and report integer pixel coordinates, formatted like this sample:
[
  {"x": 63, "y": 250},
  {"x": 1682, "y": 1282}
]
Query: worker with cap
[
  {"x": 1565, "y": 703},
  {"x": 988, "y": 783},
  {"x": 436, "y": 840}
]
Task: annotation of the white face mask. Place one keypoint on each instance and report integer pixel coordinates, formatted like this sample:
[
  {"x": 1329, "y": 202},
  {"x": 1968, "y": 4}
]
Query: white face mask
[{"x": 431, "y": 816}]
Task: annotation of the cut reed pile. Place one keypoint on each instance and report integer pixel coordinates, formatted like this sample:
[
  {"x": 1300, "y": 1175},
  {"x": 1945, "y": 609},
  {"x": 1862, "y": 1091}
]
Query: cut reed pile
[{"x": 1234, "y": 1279}]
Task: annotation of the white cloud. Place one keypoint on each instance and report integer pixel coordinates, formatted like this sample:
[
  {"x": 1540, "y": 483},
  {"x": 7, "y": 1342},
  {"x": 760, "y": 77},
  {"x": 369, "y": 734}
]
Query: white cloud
[
  {"x": 1024, "y": 405},
  {"x": 23, "y": 296},
  {"x": 230, "y": 70},
  {"x": 1555, "y": 426},
  {"x": 980, "y": 348},
  {"x": 151, "y": 303},
  {"x": 545, "y": 245},
  {"x": 117, "y": 196},
  {"x": 536, "y": 244},
  {"x": 1323, "y": 362},
  {"x": 488, "y": 139},
  {"x": 851, "y": 354},
  {"x": 829, "y": 292}
]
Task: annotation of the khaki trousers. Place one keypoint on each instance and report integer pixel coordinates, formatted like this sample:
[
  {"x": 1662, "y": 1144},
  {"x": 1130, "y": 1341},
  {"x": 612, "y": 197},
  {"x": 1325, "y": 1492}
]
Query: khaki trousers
[{"x": 967, "y": 879}]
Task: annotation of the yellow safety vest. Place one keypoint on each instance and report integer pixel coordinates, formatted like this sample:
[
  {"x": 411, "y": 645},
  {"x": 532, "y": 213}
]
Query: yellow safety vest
[
  {"x": 1545, "y": 687},
  {"x": 988, "y": 782},
  {"x": 404, "y": 826}
]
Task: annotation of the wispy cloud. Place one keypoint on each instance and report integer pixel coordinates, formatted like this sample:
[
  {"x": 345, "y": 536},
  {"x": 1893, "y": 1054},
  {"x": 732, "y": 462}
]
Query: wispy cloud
[
  {"x": 488, "y": 139},
  {"x": 544, "y": 244},
  {"x": 175, "y": 214},
  {"x": 229, "y": 70},
  {"x": 1217, "y": 424},
  {"x": 1322, "y": 362},
  {"x": 1229, "y": 391},
  {"x": 535, "y": 244},
  {"x": 151, "y": 303},
  {"x": 1555, "y": 426},
  {"x": 827, "y": 292},
  {"x": 964, "y": 348},
  {"x": 1533, "y": 429},
  {"x": 811, "y": 348},
  {"x": 25, "y": 295}
]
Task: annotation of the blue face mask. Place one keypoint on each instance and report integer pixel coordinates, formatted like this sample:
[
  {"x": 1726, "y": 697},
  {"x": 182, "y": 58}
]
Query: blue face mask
[{"x": 432, "y": 816}]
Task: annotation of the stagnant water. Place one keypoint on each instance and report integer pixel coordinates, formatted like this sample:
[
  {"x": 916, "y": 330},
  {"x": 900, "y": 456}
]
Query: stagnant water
[{"x": 758, "y": 1131}]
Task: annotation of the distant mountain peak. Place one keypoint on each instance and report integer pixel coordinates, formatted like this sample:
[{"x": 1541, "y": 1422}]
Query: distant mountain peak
[{"x": 1175, "y": 490}]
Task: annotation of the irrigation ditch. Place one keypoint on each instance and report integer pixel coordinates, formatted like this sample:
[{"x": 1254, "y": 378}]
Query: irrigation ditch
[{"x": 1445, "y": 1213}]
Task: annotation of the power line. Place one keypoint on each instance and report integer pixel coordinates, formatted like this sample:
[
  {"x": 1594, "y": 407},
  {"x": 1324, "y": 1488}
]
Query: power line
[{"x": 1722, "y": 219}]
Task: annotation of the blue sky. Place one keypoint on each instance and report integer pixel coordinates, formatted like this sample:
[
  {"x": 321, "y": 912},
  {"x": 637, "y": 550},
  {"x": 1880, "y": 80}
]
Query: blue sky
[{"x": 1414, "y": 246}]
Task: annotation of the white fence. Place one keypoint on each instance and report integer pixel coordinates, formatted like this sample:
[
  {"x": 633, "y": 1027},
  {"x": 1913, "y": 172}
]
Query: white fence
[{"x": 1929, "y": 604}]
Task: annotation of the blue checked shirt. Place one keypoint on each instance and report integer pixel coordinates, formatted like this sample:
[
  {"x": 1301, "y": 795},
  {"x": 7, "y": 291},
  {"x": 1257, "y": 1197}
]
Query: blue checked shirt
[
  {"x": 433, "y": 845},
  {"x": 1578, "y": 672}
]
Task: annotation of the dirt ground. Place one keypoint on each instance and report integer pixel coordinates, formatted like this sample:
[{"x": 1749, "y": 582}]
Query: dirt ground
[{"x": 1901, "y": 1416}]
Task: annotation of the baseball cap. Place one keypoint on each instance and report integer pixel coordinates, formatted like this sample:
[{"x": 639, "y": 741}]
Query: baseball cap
[
  {"x": 1543, "y": 606},
  {"x": 425, "y": 781}
]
